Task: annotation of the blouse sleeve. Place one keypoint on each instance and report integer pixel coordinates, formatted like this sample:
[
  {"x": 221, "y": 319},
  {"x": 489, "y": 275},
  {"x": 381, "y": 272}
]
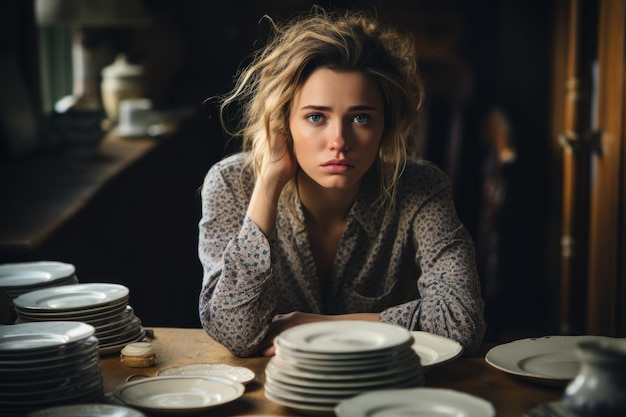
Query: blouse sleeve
[
  {"x": 236, "y": 300},
  {"x": 451, "y": 304}
]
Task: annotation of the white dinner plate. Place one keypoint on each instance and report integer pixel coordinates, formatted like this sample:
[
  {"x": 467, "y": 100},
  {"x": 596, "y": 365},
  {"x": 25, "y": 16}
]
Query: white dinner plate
[
  {"x": 307, "y": 407},
  {"x": 117, "y": 322},
  {"x": 342, "y": 358},
  {"x": 87, "y": 313},
  {"x": 549, "y": 360},
  {"x": 34, "y": 273},
  {"x": 328, "y": 400},
  {"x": 21, "y": 360},
  {"x": 52, "y": 368},
  {"x": 407, "y": 379},
  {"x": 236, "y": 373},
  {"x": 328, "y": 375},
  {"x": 84, "y": 381},
  {"x": 414, "y": 402},
  {"x": 124, "y": 336},
  {"x": 329, "y": 396},
  {"x": 344, "y": 337},
  {"x": 178, "y": 394},
  {"x": 434, "y": 349},
  {"x": 60, "y": 367},
  {"x": 37, "y": 335},
  {"x": 349, "y": 366},
  {"x": 118, "y": 345},
  {"x": 132, "y": 323},
  {"x": 87, "y": 410},
  {"x": 72, "y": 297}
]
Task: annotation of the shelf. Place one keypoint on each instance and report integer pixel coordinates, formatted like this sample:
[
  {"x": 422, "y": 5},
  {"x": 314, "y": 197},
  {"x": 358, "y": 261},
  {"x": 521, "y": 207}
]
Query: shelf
[{"x": 41, "y": 193}]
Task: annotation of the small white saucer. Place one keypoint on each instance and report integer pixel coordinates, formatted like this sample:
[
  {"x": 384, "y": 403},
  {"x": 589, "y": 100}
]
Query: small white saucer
[{"x": 236, "y": 373}]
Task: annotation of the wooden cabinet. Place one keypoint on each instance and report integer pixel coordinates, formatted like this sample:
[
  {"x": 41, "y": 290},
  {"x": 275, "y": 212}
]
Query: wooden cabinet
[
  {"x": 607, "y": 276},
  {"x": 589, "y": 123}
]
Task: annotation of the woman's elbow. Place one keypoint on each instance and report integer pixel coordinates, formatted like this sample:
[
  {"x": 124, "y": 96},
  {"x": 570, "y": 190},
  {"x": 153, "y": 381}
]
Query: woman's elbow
[
  {"x": 241, "y": 350},
  {"x": 235, "y": 343},
  {"x": 471, "y": 338}
]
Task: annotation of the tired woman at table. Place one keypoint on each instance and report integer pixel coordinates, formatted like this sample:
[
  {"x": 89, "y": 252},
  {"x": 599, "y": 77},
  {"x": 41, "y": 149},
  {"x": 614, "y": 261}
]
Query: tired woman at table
[{"x": 325, "y": 215}]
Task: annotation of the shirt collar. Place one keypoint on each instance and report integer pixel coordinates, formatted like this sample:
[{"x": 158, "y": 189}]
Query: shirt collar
[{"x": 364, "y": 210}]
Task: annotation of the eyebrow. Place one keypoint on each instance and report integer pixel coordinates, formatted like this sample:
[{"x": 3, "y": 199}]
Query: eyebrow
[{"x": 328, "y": 108}]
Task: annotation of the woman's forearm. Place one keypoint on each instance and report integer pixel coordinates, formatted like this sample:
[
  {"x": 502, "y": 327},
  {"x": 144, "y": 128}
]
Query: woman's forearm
[{"x": 263, "y": 205}]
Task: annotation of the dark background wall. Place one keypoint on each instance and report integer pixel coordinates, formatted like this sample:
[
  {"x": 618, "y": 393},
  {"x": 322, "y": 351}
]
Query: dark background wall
[
  {"x": 476, "y": 57},
  {"x": 479, "y": 59}
]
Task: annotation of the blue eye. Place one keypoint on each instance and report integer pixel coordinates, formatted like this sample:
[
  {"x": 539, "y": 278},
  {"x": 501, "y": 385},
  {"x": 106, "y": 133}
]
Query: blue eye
[
  {"x": 361, "y": 118},
  {"x": 315, "y": 118}
]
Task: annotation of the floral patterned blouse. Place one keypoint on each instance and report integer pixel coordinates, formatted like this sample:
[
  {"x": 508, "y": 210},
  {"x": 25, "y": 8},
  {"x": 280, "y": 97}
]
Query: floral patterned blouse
[{"x": 415, "y": 267}]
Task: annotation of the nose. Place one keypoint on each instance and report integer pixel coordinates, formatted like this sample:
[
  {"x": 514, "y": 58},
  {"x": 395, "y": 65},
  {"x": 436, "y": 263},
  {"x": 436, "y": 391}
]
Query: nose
[{"x": 338, "y": 137}]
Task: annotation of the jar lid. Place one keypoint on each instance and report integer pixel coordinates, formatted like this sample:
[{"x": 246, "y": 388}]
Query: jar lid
[
  {"x": 142, "y": 349},
  {"x": 120, "y": 68}
]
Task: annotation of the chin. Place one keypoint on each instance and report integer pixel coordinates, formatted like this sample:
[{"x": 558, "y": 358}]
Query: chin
[{"x": 337, "y": 185}]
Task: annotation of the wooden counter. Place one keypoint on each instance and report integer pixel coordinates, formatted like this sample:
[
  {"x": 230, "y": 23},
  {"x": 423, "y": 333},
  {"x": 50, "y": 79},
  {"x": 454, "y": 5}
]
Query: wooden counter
[
  {"x": 42, "y": 193},
  {"x": 510, "y": 396}
]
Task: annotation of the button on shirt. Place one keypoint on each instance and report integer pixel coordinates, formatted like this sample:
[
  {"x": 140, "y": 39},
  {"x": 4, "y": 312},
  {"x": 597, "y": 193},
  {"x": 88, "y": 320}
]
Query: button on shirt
[{"x": 415, "y": 266}]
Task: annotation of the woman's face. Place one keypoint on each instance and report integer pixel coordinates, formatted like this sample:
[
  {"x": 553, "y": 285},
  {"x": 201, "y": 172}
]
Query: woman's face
[{"x": 336, "y": 121}]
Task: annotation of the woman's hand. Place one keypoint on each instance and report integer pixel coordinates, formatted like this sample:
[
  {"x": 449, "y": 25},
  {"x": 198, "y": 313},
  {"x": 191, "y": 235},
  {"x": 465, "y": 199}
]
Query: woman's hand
[
  {"x": 276, "y": 170},
  {"x": 280, "y": 166},
  {"x": 282, "y": 322}
]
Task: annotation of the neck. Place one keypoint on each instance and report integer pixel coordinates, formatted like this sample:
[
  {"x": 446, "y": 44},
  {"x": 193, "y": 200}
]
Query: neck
[{"x": 325, "y": 205}]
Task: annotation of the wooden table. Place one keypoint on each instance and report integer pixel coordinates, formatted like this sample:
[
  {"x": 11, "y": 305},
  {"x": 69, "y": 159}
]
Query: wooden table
[{"x": 510, "y": 396}]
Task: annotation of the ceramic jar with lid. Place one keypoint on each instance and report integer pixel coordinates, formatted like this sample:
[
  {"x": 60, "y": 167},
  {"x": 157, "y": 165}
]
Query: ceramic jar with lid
[
  {"x": 138, "y": 355},
  {"x": 599, "y": 388},
  {"x": 121, "y": 80}
]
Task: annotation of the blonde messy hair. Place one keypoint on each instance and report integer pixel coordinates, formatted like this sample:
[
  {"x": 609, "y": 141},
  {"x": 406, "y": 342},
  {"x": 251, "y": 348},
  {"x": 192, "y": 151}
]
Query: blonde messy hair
[{"x": 349, "y": 41}]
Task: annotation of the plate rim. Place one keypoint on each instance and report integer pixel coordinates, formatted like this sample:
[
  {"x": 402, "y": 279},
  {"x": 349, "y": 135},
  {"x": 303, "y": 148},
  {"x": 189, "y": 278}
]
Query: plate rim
[
  {"x": 60, "y": 271},
  {"x": 24, "y": 301},
  {"x": 410, "y": 394},
  {"x": 292, "y": 337},
  {"x": 456, "y": 349},
  {"x": 493, "y": 355},
  {"x": 74, "y": 331},
  {"x": 306, "y": 385},
  {"x": 239, "y": 388},
  {"x": 276, "y": 364},
  {"x": 304, "y": 408},
  {"x": 251, "y": 375}
]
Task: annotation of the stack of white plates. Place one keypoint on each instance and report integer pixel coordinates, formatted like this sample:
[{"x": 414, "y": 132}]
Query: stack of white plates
[
  {"x": 19, "y": 278},
  {"x": 317, "y": 365},
  {"x": 104, "y": 306},
  {"x": 47, "y": 364}
]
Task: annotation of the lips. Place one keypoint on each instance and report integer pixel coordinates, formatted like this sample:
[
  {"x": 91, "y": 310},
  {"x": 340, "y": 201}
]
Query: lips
[
  {"x": 337, "y": 165},
  {"x": 337, "y": 162}
]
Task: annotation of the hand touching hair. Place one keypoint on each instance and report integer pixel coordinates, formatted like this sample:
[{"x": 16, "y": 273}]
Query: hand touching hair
[{"x": 342, "y": 41}]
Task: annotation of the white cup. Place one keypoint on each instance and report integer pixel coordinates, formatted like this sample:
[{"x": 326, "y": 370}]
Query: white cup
[{"x": 135, "y": 117}]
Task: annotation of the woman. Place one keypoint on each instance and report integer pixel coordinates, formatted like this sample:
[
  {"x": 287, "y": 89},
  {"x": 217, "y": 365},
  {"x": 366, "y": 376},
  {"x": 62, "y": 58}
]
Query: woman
[{"x": 324, "y": 216}]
